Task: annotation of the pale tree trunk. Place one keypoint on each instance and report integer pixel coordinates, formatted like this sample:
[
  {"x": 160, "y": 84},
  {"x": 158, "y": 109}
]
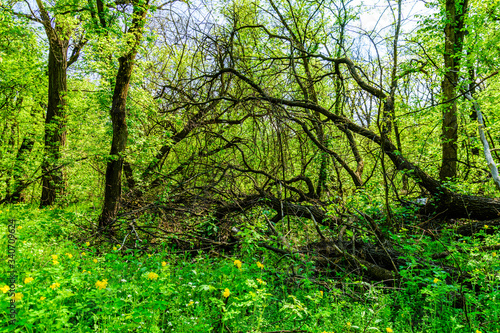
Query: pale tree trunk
[{"x": 486, "y": 147}]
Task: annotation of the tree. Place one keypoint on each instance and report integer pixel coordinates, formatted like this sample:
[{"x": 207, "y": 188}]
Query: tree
[
  {"x": 22, "y": 90},
  {"x": 455, "y": 31},
  {"x": 61, "y": 27},
  {"x": 118, "y": 112}
]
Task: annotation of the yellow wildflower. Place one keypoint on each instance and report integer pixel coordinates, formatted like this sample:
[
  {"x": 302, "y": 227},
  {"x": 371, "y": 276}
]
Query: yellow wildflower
[
  {"x": 348, "y": 324},
  {"x": 114, "y": 248},
  {"x": 237, "y": 263},
  {"x": 54, "y": 285},
  {"x": 17, "y": 297},
  {"x": 486, "y": 226},
  {"x": 83, "y": 254},
  {"x": 190, "y": 303},
  {"x": 87, "y": 243},
  {"x": 321, "y": 293},
  {"x": 436, "y": 280},
  {"x": 69, "y": 255},
  {"x": 101, "y": 284},
  {"x": 55, "y": 262},
  {"x": 152, "y": 276},
  {"x": 478, "y": 331},
  {"x": 149, "y": 255},
  {"x": 260, "y": 281},
  {"x": 5, "y": 289},
  {"x": 54, "y": 257},
  {"x": 28, "y": 280},
  {"x": 42, "y": 298},
  {"x": 389, "y": 330},
  {"x": 226, "y": 293},
  {"x": 163, "y": 263},
  {"x": 24, "y": 242},
  {"x": 494, "y": 254},
  {"x": 19, "y": 228},
  {"x": 95, "y": 260},
  {"x": 259, "y": 264}
]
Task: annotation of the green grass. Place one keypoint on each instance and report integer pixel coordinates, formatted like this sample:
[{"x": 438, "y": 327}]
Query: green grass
[{"x": 187, "y": 292}]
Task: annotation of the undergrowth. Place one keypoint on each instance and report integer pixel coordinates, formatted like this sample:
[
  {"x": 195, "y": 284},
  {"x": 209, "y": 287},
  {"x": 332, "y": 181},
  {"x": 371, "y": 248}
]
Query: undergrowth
[{"x": 67, "y": 285}]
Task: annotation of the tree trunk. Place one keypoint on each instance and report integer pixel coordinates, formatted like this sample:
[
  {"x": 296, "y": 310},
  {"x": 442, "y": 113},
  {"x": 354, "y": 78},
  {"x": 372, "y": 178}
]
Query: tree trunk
[
  {"x": 17, "y": 185},
  {"x": 55, "y": 131},
  {"x": 113, "y": 185},
  {"x": 454, "y": 37}
]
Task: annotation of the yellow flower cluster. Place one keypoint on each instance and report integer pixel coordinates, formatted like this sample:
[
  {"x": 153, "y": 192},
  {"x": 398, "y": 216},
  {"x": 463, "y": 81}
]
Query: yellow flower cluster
[
  {"x": 260, "y": 281},
  {"x": 69, "y": 255},
  {"x": 17, "y": 297},
  {"x": 237, "y": 263},
  {"x": 5, "y": 289},
  {"x": 54, "y": 285},
  {"x": 259, "y": 264},
  {"x": 163, "y": 263},
  {"x": 226, "y": 293},
  {"x": 436, "y": 280},
  {"x": 152, "y": 276},
  {"x": 389, "y": 330},
  {"x": 28, "y": 280},
  {"x": 101, "y": 284}
]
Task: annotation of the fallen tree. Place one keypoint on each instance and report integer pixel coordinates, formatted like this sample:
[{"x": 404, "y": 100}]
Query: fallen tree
[{"x": 445, "y": 201}]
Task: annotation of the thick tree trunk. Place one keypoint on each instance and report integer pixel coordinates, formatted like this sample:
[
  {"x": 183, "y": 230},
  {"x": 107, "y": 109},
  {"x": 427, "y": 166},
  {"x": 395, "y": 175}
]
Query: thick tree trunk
[
  {"x": 454, "y": 37},
  {"x": 55, "y": 127},
  {"x": 113, "y": 184}
]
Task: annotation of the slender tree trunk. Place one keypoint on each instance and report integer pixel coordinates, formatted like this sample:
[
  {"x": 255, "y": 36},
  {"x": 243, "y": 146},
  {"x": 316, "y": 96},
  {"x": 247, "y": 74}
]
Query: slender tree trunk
[
  {"x": 16, "y": 185},
  {"x": 55, "y": 127},
  {"x": 113, "y": 185},
  {"x": 454, "y": 31}
]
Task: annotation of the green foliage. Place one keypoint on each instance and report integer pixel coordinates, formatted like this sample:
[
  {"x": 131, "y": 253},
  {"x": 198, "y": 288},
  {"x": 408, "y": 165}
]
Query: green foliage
[{"x": 77, "y": 288}]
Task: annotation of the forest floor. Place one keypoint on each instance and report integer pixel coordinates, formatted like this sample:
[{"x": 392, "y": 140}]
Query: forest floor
[{"x": 66, "y": 281}]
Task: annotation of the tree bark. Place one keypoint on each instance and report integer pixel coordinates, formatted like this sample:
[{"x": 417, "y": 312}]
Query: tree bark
[
  {"x": 454, "y": 31},
  {"x": 113, "y": 186},
  {"x": 55, "y": 131},
  {"x": 55, "y": 127}
]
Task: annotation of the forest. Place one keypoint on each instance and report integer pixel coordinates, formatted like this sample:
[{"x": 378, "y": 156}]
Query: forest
[{"x": 273, "y": 166}]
